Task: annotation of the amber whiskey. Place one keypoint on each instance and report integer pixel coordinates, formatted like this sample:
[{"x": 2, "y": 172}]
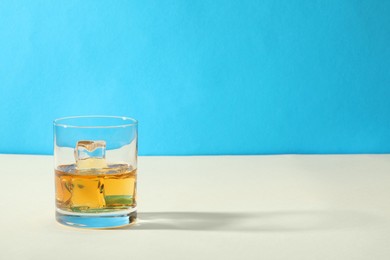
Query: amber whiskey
[{"x": 110, "y": 187}]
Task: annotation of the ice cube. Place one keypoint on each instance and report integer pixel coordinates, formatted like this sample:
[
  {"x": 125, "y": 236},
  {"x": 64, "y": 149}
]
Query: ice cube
[
  {"x": 90, "y": 149},
  {"x": 87, "y": 194},
  {"x": 90, "y": 155}
]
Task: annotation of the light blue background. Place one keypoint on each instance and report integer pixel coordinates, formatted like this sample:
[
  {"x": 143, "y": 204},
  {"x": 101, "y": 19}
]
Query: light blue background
[{"x": 202, "y": 77}]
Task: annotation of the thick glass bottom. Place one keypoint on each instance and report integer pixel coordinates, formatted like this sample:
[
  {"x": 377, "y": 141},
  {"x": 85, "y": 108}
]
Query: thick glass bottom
[{"x": 97, "y": 220}]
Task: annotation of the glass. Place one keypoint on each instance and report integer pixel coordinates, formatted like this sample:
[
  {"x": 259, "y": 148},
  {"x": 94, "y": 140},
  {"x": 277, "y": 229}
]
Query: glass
[{"x": 95, "y": 171}]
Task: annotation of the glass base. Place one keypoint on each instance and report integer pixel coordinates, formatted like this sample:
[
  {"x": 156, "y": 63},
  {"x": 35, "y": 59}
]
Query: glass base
[{"x": 97, "y": 220}]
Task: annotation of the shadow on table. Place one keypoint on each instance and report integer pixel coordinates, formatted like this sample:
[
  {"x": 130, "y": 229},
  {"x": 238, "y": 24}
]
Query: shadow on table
[{"x": 277, "y": 221}]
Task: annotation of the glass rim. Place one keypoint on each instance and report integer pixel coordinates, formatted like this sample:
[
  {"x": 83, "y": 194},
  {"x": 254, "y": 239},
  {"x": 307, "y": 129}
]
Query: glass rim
[{"x": 58, "y": 122}]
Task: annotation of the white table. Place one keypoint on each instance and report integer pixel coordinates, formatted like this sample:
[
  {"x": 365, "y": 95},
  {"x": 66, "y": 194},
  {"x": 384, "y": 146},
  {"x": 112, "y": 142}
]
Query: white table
[{"x": 217, "y": 207}]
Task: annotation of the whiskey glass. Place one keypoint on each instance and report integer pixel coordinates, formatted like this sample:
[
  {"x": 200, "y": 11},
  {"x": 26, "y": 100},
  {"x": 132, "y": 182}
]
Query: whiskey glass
[{"x": 95, "y": 168}]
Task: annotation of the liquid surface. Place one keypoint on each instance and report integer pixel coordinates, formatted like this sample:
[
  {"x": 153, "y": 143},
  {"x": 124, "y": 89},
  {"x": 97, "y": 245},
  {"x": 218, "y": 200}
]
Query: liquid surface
[{"x": 95, "y": 190}]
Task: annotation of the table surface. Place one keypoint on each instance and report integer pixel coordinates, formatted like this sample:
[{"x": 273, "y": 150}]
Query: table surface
[{"x": 213, "y": 207}]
